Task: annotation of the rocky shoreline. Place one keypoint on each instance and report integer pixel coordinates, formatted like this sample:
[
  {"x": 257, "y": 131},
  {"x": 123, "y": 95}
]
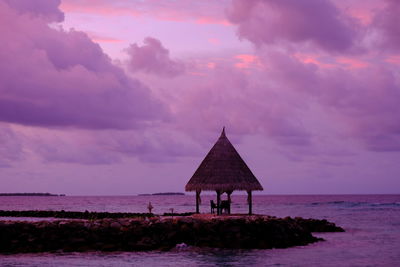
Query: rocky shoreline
[
  {"x": 158, "y": 232},
  {"x": 71, "y": 214}
]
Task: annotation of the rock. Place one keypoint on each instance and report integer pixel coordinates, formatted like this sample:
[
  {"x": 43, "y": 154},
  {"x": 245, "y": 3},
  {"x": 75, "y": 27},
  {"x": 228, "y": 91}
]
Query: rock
[
  {"x": 181, "y": 246},
  {"x": 115, "y": 225}
]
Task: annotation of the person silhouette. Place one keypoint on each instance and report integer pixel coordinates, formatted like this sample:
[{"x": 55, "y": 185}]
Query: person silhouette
[
  {"x": 150, "y": 207},
  {"x": 213, "y": 206}
]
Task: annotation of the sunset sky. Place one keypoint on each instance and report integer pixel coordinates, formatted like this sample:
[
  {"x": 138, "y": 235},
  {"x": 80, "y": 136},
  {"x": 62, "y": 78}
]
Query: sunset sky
[{"x": 119, "y": 97}]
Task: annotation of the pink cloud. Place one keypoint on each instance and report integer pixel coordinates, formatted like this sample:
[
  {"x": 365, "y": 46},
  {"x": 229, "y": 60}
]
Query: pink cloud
[
  {"x": 204, "y": 12},
  {"x": 364, "y": 16},
  {"x": 211, "y": 65},
  {"x": 98, "y": 38},
  {"x": 361, "y": 10},
  {"x": 206, "y": 20},
  {"x": 228, "y": 96},
  {"x": 312, "y": 59},
  {"x": 393, "y": 60},
  {"x": 317, "y": 22},
  {"x": 247, "y": 61},
  {"x": 153, "y": 58},
  {"x": 387, "y": 22},
  {"x": 363, "y": 100},
  {"x": 353, "y": 95},
  {"x": 278, "y": 101},
  {"x": 352, "y": 63},
  {"x": 58, "y": 78},
  {"x": 102, "y": 7},
  {"x": 214, "y": 41}
]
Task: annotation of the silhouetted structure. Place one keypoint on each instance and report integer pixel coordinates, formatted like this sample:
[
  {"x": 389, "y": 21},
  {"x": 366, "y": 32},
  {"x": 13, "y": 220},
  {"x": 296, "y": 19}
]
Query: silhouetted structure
[{"x": 223, "y": 171}]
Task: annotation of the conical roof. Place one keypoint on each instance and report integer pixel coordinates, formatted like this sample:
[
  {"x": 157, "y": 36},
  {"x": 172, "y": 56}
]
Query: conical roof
[{"x": 223, "y": 169}]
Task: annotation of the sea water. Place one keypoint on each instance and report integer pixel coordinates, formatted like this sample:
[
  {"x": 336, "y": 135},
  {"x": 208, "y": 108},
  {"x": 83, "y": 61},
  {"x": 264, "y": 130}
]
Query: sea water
[{"x": 372, "y": 237}]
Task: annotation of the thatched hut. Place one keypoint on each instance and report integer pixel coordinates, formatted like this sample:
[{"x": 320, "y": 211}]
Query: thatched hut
[{"x": 223, "y": 171}]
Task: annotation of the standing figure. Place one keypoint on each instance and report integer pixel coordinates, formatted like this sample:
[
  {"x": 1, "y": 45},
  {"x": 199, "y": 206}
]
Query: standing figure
[
  {"x": 213, "y": 206},
  {"x": 150, "y": 207},
  {"x": 225, "y": 206}
]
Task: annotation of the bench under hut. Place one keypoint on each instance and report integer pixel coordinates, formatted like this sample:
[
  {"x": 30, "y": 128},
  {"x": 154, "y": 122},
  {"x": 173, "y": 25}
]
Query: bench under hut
[{"x": 223, "y": 170}]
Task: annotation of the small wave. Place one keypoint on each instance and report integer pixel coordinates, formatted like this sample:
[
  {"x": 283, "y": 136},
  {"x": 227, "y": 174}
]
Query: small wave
[
  {"x": 392, "y": 204},
  {"x": 328, "y": 203},
  {"x": 356, "y": 204}
]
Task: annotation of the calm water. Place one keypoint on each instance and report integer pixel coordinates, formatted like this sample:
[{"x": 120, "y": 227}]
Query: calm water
[{"x": 372, "y": 236}]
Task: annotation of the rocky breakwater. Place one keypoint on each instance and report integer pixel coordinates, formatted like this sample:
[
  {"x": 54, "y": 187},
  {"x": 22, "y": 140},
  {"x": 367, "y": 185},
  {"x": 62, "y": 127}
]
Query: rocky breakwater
[{"x": 133, "y": 234}]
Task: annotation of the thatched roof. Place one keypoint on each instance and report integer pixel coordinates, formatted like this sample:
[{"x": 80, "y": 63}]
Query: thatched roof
[{"x": 223, "y": 169}]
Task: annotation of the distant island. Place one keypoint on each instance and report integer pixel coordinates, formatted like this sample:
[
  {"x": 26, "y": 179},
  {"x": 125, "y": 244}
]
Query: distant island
[
  {"x": 30, "y": 195},
  {"x": 164, "y": 194}
]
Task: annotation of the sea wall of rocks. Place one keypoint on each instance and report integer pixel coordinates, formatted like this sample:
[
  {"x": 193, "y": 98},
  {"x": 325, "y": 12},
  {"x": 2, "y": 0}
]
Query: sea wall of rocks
[
  {"x": 71, "y": 214},
  {"x": 91, "y": 215},
  {"x": 135, "y": 234}
]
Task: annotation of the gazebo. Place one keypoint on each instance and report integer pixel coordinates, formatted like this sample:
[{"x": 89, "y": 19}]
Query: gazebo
[{"x": 223, "y": 171}]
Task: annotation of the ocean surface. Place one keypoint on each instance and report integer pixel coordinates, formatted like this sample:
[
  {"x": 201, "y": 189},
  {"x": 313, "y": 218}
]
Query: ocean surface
[{"x": 372, "y": 237}]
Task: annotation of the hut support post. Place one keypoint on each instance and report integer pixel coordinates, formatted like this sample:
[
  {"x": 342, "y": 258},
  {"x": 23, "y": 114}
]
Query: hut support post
[
  {"x": 250, "y": 200},
  {"x": 198, "y": 201},
  {"x": 218, "y": 202}
]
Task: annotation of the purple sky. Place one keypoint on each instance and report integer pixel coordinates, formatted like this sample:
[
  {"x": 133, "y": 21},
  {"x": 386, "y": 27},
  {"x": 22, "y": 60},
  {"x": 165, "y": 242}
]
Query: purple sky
[{"x": 113, "y": 97}]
